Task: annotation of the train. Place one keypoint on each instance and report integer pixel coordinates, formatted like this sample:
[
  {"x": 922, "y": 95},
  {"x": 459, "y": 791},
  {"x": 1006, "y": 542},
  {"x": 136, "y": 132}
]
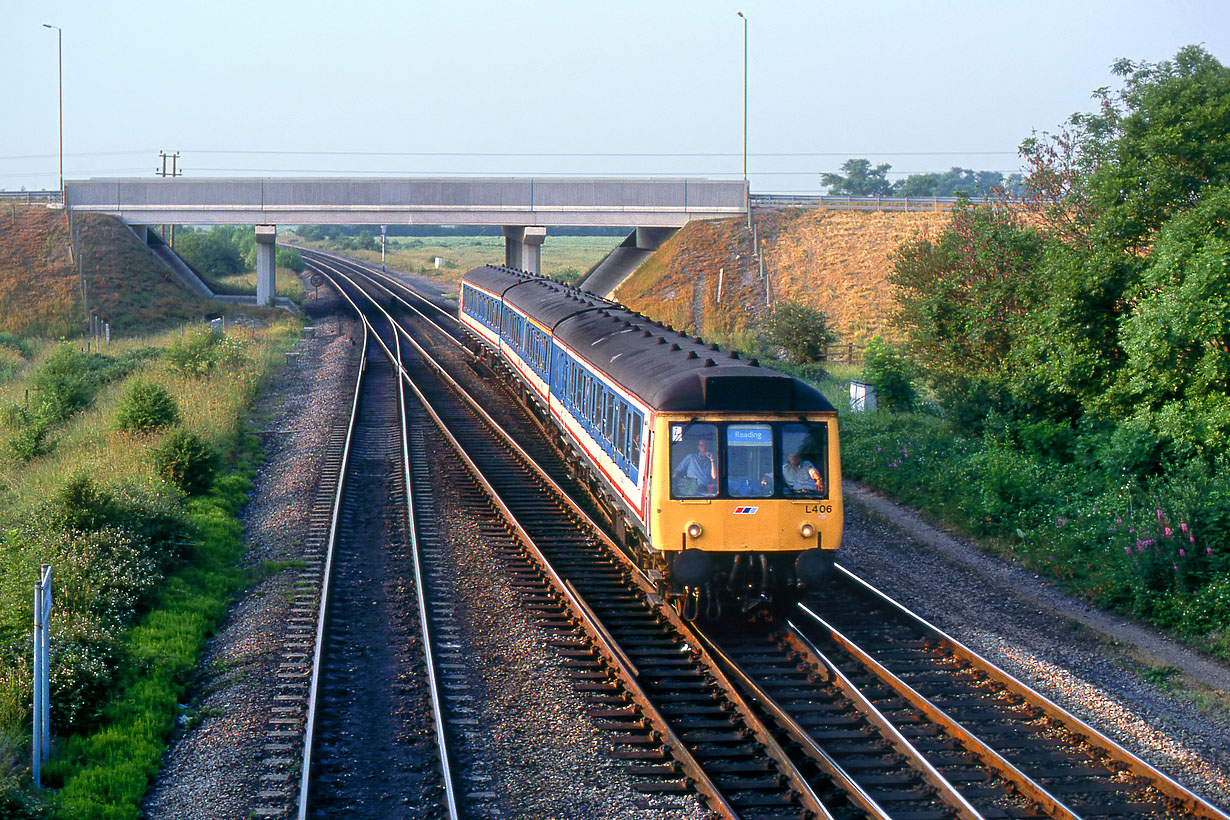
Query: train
[{"x": 720, "y": 477}]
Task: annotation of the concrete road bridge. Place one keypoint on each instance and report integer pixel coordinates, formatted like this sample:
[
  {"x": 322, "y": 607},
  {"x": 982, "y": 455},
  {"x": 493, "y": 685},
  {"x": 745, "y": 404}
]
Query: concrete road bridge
[{"x": 526, "y": 208}]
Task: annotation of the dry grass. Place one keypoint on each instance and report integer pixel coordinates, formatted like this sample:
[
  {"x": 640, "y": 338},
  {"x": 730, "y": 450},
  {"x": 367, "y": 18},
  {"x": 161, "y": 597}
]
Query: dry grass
[
  {"x": 40, "y": 293},
  {"x": 837, "y": 261}
]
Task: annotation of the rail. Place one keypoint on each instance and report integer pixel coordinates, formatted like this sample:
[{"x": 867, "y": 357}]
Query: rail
[{"x": 318, "y": 646}]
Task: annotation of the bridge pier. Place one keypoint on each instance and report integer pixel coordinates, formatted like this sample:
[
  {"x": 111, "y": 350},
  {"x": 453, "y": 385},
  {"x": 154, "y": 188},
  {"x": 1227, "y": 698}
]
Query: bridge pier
[
  {"x": 266, "y": 262},
  {"x": 523, "y": 247}
]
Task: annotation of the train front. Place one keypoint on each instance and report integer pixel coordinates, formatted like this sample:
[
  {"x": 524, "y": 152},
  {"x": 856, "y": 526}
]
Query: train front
[{"x": 746, "y": 496}]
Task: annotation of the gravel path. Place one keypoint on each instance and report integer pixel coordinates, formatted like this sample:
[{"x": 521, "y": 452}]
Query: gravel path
[{"x": 1087, "y": 661}]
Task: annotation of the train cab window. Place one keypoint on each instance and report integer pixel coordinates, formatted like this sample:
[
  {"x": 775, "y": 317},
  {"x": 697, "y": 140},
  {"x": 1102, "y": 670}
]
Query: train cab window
[
  {"x": 804, "y": 469},
  {"x": 694, "y": 460},
  {"x": 749, "y": 460}
]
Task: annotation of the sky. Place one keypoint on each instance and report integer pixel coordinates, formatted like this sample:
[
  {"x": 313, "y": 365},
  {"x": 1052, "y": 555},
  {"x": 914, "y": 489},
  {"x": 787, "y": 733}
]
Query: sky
[{"x": 638, "y": 88}]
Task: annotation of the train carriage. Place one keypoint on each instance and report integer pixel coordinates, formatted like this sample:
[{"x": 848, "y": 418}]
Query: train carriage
[{"x": 725, "y": 474}]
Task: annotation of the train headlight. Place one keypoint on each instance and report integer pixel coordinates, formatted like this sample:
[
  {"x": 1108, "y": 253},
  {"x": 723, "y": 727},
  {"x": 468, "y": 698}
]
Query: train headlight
[
  {"x": 694, "y": 530},
  {"x": 807, "y": 530}
]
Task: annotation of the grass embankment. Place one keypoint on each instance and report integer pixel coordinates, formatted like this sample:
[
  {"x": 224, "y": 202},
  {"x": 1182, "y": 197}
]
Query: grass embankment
[
  {"x": 563, "y": 257},
  {"x": 835, "y": 261},
  {"x": 40, "y": 288},
  {"x": 140, "y": 526}
]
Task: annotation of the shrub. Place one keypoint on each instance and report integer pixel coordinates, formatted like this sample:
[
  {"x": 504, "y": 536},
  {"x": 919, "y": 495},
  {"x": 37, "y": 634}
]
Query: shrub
[
  {"x": 15, "y": 343},
  {"x": 145, "y": 406},
  {"x": 183, "y": 459},
  {"x": 289, "y": 258},
  {"x": 200, "y": 349},
  {"x": 889, "y": 373},
  {"x": 29, "y": 429}
]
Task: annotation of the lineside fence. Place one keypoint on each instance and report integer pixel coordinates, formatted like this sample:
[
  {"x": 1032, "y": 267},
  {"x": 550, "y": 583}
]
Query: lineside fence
[
  {"x": 30, "y": 197},
  {"x": 866, "y": 203}
]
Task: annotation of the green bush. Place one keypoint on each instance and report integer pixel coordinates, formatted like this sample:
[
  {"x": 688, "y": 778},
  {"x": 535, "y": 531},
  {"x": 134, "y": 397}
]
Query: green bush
[
  {"x": 144, "y": 407},
  {"x": 289, "y": 258},
  {"x": 28, "y": 429},
  {"x": 199, "y": 350},
  {"x": 889, "y": 373},
  {"x": 183, "y": 459}
]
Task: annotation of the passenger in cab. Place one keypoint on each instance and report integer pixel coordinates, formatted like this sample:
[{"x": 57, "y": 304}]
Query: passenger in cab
[{"x": 801, "y": 477}]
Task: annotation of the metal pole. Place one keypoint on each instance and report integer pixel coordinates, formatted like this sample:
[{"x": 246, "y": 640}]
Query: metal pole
[
  {"x": 41, "y": 684},
  {"x": 60, "y": 72},
  {"x": 36, "y": 749},
  {"x": 747, "y": 191}
]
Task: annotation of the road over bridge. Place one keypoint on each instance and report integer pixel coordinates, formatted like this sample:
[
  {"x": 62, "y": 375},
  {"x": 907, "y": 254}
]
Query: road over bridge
[{"x": 524, "y": 207}]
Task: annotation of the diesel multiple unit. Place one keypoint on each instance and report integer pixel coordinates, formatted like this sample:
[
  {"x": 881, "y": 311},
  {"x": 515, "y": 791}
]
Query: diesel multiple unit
[{"x": 722, "y": 477}]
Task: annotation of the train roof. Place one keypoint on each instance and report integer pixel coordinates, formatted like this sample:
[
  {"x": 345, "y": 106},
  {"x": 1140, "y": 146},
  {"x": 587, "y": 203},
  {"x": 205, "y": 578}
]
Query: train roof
[{"x": 667, "y": 369}]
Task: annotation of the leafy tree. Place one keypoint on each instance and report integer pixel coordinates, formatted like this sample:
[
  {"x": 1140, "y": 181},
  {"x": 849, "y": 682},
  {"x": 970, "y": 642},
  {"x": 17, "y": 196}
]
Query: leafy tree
[
  {"x": 800, "y": 330},
  {"x": 859, "y": 179},
  {"x": 888, "y": 372},
  {"x": 289, "y": 258},
  {"x": 962, "y": 296},
  {"x": 955, "y": 182},
  {"x": 1177, "y": 338},
  {"x": 1107, "y": 186},
  {"x": 214, "y": 253}
]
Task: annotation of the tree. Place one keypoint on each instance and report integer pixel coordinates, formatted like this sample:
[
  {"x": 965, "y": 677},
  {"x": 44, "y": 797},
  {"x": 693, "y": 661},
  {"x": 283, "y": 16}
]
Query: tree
[
  {"x": 860, "y": 179},
  {"x": 1108, "y": 186},
  {"x": 800, "y": 330},
  {"x": 961, "y": 297},
  {"x": 1177, "y": 339}
]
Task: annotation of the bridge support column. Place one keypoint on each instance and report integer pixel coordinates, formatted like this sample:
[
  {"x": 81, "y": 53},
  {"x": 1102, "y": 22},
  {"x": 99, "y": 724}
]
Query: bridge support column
[
  {"x": 266, "y": 262},
  {"x": 523, "y": 247}
]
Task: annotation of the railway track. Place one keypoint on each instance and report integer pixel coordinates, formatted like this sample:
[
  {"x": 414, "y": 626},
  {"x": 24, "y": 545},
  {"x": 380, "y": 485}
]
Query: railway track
[{"x": 767, "y": 723}]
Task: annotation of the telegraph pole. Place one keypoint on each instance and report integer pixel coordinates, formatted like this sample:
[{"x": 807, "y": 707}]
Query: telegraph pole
[{"x": 174, "y": 172}]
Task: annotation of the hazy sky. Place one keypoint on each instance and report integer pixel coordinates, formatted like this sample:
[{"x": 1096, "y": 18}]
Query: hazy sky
[{"x": 575, "y": 88}]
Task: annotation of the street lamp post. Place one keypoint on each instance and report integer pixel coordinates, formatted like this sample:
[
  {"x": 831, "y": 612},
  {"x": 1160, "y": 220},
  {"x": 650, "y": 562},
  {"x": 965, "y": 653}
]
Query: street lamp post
[
  {"x": 60, "y": 80},
  {"x": 747, "y": 191}
]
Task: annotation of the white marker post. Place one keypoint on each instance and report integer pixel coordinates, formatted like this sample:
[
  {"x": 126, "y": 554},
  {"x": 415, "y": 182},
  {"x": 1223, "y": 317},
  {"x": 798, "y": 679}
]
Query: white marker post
[{"x": 42, "y": 692}]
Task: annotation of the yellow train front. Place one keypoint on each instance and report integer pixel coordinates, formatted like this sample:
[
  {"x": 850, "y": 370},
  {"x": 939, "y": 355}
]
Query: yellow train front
[
  {"x": 746, "y": 504},
  {"x": 722, "y": 478}
]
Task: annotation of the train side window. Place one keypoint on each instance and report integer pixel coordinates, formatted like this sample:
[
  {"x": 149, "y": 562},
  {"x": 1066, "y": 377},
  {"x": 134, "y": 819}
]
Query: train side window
[
  {"x": 805, "y": 460},
  {"x": 749, "y": 460},
  {"x": 621, "y": 434},
  {"x": 634, "y": 441},
  {"x": 694, "y": 472}
]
